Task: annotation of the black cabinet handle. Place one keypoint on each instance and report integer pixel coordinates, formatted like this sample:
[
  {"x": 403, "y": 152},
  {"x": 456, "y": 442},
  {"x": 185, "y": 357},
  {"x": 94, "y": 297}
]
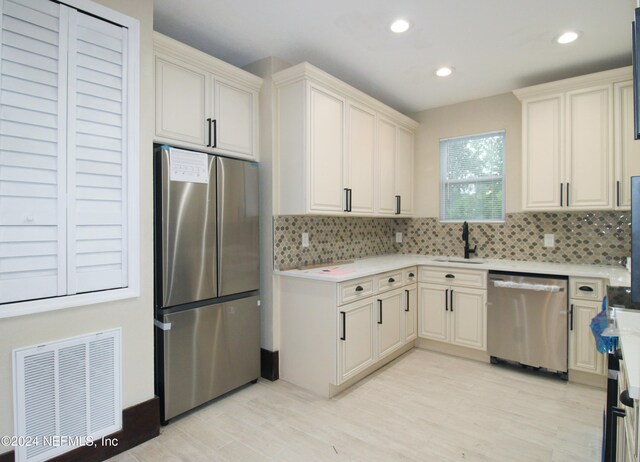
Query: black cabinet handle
[
  {"x": 359, "y": 289},
  {"x": 411, "y": 275},
  {"x": 451, "y": 300},
  {"x": 617, "y": 193},
  {"x": 568, "y": 201},
  {"x": 344, "y": 325},
  {"x": 215, "y": 133},
  {"x": 626, "y": 399},
  {"x": 380, "y": 309},
  {"x": 446, "y": 300},
  {"x": 407, "y": 305},
  {"x": 209, "y": 125},
  {"x": 561, "y": 191},
  {"x": 571, "y": 317},
  {"x": 585, "y": 289},
  {"x": 346, "y": 199},
  {"x": 397, "y": 205},
  {"x": 450, "y": 276},
  {"x": 350, "y": 199},
  {"x": 391, "y": 280}
]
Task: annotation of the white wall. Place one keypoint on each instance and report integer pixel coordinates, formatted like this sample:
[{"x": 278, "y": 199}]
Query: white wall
[
  {"x": 134, "y": 316},
  {"x": 501, "y": 112},
  {"x": 270, "y": 313}
]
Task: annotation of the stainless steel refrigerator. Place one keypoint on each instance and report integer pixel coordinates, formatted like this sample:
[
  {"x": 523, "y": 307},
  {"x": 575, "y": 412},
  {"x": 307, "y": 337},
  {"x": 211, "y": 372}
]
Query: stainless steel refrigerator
[{"x": 206, "y": 277}]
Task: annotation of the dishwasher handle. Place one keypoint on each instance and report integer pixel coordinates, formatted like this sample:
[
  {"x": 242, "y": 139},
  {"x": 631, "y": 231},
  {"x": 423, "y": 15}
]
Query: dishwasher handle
[{"x": 527, "y": 286}]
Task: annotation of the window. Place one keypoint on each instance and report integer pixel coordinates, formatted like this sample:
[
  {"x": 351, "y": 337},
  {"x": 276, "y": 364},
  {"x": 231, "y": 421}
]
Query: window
[
  {"x": 472, "y": 178},
  {"x": 68, "y": 156}
]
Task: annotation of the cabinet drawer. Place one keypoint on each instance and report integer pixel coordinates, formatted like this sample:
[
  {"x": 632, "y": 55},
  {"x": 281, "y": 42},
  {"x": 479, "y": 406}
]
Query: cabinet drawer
[
  {"x": 390, "y": 280},
  {"x": 354, "y": 290},
  {"x": 586, "y": 289},
  {"x": 453, "y": 277},
  {"x": 410, "y": 275}
]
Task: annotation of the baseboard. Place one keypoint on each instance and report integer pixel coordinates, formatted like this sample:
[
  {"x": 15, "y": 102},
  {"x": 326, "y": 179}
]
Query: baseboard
[
  {"x": 140, "y": 423},
  {"x": 454, "y": 350},
  {"x": 269, "y": 365},
  {"x": 586, "y": 378}
]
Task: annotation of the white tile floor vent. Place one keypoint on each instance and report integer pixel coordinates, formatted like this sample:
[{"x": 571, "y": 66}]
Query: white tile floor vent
[{"x": 66, "y": 394}]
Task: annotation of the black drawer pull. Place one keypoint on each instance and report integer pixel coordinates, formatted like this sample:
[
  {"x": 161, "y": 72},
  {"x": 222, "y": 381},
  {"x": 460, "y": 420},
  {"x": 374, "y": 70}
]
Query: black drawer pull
[
  {"x": 407, "y": 299},
  {"x": 344, "y": 325},
  {"x": 626, "y": 399},
  {"x": 585, "y": 289},
  {"x": 411, "y": 275},
  {"x": 359, "y": 289},
  {"x": 391, "y": 280},
  {"x": 450, "y": 276},
  {"x": 380, "y": 308},
  {"x": 446, "y": 300},
  {"x": 451, "y": 300}
]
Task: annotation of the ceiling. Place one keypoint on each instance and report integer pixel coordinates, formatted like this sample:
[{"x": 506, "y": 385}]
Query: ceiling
[{"x": 495, "y": 46}]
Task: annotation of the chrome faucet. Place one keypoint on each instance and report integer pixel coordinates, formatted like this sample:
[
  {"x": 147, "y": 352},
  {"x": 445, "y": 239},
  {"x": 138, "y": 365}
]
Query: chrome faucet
[{"x": 465, "y": 238}]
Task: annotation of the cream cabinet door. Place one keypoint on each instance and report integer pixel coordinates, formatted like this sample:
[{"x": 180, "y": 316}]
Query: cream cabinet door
[
  {"x": 359, "y": 158},
  {"x": 468, "y": 310},
  {"x": 410, "y": 313},
  {"x": 542, "y": 144},
  {"x": 234, "y": 127},
  {"x": 390, "y": 321},
  {"x": 182, "y": 95},
  {"x": 404, "y": 171},
  {"x": 386, "y": 167},
  {"x": 356, "y": 338},
  {"x": 433, "y": 313},
  {"x": 583, "y": 355},
  {"x": 326, "y": 151},
  {"x": 627, "y": 150},
  {"x": 588, "y": 152}
]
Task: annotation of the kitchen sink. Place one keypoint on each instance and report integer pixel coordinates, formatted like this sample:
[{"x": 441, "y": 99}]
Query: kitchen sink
[{"x": 456, "y": 260}]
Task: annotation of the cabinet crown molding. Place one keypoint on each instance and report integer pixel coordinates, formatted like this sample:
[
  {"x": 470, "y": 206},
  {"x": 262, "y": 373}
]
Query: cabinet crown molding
[
  {"x": 308, "y": 71},
  {"x": 178, "y": 50},
  {"x": 575, "y": 83}
]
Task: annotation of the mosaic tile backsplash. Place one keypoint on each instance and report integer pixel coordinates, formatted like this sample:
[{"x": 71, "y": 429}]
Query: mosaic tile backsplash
[{"x": 602, "y": 238}]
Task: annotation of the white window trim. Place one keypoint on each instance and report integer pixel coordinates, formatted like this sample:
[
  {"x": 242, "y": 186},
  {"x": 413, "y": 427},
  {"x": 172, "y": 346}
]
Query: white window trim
[
  {"x": 133, "y": 180},
  {"x": 503, "y": 132}
]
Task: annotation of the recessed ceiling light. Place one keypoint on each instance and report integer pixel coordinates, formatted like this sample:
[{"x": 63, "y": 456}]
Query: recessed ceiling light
[
  {"x": 567, "y": 37},
  {"x": 444, "y": 71},
  {"x": 400, "y": 25}
]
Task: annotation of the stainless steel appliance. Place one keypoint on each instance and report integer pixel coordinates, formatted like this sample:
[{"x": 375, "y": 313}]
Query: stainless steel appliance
[
  {"x": 206, "y": 277},
  {"x": 527, "y": 319}
]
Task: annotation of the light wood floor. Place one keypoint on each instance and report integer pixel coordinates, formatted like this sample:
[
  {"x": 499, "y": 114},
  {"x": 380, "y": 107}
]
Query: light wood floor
[{"x": 424, "y": 406}]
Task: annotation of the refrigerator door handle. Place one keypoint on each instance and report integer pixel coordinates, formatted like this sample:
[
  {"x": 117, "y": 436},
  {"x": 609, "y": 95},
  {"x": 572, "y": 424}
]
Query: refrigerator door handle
[{"x": 162, "y": 325}]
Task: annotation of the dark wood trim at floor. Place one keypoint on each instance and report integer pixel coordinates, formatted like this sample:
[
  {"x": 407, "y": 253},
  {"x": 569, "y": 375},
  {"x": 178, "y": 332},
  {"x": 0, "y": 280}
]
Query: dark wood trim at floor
[
  {"x": 269, "y": 365},
  {"x": 140, "y": 423}
]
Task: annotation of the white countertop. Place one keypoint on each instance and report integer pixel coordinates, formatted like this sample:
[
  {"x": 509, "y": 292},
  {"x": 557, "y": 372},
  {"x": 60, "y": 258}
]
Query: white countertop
[
  {"x": 629, "y": 324},
  {"x": 617, "y": 275}
]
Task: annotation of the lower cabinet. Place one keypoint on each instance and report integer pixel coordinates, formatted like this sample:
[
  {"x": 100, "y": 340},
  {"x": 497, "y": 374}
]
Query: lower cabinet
[
  {"x": 355, "y": 345},
  {"x": 583, "y": 355},
  {"x": 452, "y": 314},
  {"x": 390, "y": 322}
]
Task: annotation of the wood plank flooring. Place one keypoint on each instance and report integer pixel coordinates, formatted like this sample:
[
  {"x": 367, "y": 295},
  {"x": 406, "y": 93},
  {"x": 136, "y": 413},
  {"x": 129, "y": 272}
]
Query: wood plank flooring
[{"x": 424, "y": 406}]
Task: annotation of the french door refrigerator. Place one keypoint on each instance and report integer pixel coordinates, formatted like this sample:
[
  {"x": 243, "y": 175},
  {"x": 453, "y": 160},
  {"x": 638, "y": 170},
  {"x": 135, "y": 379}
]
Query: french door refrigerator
[{"x": 206, "y": 277}]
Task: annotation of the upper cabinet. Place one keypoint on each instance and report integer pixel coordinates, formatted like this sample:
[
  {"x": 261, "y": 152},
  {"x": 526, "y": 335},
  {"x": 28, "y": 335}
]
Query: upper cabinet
[
  {"x": 341, "y": 151},
  {"x": 204, "y": 103},
  {"x": 577, "y": 143}
]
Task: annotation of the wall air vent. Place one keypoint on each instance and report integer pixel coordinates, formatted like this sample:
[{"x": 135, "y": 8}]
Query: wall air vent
[{"x": 66, "y": 394}]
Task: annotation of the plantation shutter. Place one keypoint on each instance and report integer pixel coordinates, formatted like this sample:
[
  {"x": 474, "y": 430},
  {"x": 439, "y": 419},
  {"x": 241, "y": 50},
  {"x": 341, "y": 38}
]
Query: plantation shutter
[
  {"x": 32, "y": 150},
  {"x": 96, "y": 155},
  {"x": 472, "y": 178},
  {"x": 63, "y": 143}
]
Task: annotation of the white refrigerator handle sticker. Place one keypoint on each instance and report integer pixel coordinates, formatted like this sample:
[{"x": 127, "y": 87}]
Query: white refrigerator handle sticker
[{"x": 189, "y": 166}]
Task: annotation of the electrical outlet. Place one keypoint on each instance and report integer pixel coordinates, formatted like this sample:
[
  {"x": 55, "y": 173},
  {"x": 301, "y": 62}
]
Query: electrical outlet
[
  {"x": 549, "y": 240},
  {"x": 398, "y": 238},
  {"x": 305, "y": 239}
]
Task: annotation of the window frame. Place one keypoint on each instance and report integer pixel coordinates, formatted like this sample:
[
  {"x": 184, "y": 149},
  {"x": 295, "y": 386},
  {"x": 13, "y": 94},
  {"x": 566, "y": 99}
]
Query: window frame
[
  {"x": 443, "y": 172},
  {"x": 132, "y": 290}
]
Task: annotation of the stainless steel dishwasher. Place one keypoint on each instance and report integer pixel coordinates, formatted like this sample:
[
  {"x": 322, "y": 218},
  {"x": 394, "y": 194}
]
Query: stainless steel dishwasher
[{"x": 527, "y": 320}]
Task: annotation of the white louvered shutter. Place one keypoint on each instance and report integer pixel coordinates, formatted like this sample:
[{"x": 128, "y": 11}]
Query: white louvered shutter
[
  {"x": 32, "y": 150},
  {"x": 97, "y": 225}
]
